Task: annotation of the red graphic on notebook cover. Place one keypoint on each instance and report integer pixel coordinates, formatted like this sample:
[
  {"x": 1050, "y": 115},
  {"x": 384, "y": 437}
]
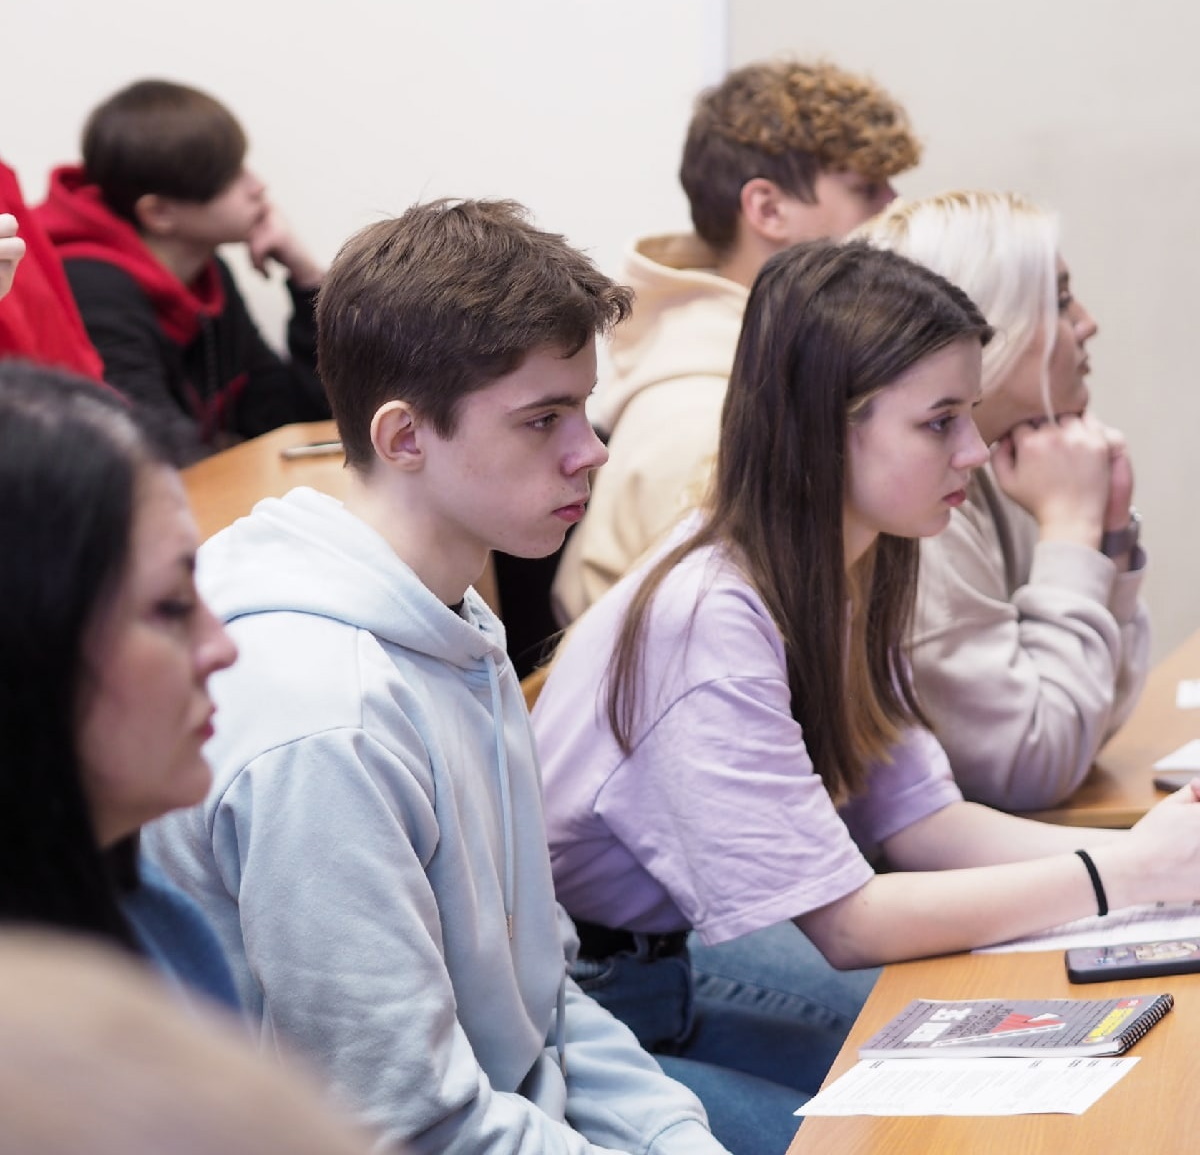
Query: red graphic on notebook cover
[{"x": 1011, "y": 1026}]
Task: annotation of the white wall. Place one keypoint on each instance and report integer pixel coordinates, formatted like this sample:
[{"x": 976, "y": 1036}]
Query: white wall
[
  {"x": 578, "y": 108},
  {"x": 358, "y": 108},
  {"x": 1091, "y": 107}
]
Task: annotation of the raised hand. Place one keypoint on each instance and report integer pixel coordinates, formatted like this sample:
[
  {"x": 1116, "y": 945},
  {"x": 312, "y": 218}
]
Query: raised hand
[
  {"x": 12, "y": 249},
  {"x": 273, "y": 239}
]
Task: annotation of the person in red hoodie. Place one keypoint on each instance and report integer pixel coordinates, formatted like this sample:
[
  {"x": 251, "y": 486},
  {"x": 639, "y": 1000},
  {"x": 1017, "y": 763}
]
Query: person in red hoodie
[
  {"x": 39, "y": 321},
  {"x": 164, "y": 183}
]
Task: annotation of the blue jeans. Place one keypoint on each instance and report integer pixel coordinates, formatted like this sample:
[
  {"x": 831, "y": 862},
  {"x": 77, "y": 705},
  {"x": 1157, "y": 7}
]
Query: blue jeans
[{"x": 751, "y": 1026}]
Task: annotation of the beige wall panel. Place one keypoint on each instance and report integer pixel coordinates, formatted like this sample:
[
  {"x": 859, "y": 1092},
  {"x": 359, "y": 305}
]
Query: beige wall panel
[{"x": 1091, "y": 107}]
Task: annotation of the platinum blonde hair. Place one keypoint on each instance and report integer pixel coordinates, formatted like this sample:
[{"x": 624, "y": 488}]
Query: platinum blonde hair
[{"x": 1000, "y": 249}]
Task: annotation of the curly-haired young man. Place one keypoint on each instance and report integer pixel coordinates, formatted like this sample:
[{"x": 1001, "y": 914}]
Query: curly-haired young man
[{"x": 779, "y": 152}]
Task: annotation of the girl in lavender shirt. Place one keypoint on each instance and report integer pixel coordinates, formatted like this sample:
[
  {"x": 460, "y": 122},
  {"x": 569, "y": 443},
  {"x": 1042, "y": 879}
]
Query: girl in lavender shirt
[{"x": 730, "y": 738}]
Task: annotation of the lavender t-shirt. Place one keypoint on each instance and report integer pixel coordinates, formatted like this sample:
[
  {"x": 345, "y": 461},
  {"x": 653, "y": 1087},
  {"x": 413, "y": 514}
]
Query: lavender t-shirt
[{"x": 717, "y": 819}]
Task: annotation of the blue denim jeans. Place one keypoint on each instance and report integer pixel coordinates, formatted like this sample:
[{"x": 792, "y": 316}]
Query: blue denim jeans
[{"x": 751, "y": 1026}]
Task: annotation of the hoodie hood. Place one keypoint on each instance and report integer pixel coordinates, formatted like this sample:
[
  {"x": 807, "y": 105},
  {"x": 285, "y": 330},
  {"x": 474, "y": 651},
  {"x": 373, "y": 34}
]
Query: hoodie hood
[
  {"x": 305, "y": 553},
  {"x": 685, "y": 322},
  {"x": 82, "y": 227}
]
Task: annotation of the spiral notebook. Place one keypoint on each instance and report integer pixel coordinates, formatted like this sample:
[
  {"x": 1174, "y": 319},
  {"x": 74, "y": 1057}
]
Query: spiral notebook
[{"x": 929, "y": 1028}]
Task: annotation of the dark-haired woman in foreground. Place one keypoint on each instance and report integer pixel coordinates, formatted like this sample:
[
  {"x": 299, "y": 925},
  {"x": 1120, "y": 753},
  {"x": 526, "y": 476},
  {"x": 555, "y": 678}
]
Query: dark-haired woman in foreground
[
  {"x": 105, "y": 651},
  {"x": 730, "y": 739}
]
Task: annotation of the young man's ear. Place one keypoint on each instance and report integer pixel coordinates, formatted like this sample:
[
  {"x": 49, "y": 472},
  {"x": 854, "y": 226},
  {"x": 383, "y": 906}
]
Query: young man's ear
[
  {"x": 154, "y": 214},
  {"x": 767, "y": 210},
  {"x": 395, "y": 436}
]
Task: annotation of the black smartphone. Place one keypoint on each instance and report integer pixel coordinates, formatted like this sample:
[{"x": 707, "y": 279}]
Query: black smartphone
[
  {"x": 1133, "y": 960},
  {"x": 1172, "y": 780}
]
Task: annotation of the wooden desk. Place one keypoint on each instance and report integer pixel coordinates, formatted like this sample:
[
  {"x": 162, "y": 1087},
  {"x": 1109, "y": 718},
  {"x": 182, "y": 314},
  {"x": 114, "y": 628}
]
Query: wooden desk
[
  {"x": 1118, "y": 790},
  {"x": 1154, "y": 1108},
  {"x": 227, "y": 485}
]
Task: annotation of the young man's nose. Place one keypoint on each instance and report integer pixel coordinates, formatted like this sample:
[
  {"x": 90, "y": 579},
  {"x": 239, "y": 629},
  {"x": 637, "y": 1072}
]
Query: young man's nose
[{"x": 590, "y": 454}]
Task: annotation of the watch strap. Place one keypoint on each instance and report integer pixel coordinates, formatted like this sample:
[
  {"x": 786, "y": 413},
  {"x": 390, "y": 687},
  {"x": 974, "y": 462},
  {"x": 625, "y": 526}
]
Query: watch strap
[{"x": 1118, "y": 542}]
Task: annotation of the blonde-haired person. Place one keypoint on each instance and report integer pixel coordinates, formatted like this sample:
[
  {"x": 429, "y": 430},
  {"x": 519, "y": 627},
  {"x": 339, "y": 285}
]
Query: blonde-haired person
[{"x": 1030, "y": 645}]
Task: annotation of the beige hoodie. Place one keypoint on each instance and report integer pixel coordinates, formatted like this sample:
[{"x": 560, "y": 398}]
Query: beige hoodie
[
  {"x": 662, "y": 410},
  {"x": 1026, "y": 654}
]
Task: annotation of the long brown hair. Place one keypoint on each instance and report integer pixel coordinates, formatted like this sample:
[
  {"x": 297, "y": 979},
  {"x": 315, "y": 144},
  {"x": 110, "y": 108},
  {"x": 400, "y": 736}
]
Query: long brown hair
[{"x": 827, "y": 326}]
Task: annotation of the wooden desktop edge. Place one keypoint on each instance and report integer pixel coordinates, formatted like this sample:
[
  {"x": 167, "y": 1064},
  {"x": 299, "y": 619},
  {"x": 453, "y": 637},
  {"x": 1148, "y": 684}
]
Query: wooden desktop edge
[
  {"x": 1153, "y": 1108},
  {"x": 1119, "y": 788}
]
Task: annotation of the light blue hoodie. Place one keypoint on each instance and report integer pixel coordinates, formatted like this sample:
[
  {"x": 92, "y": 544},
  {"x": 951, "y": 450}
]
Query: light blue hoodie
[{"x": 374, "y": 828}]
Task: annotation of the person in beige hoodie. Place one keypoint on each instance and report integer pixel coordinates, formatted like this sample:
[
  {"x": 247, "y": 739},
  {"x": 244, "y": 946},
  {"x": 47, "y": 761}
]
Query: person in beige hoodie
[{"x": 778, "y": 153}]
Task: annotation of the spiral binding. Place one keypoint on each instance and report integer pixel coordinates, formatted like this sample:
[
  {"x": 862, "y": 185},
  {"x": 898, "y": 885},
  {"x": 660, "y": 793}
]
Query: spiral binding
[{"x": 1151, "y": 1015}]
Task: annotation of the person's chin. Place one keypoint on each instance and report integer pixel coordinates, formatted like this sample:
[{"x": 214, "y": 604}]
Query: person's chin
[
  {"x": 1076, "y": 405},
  {"x": 937, "y": 523},
  {"x": 194, "y": 783},
  {"x": 534, "y": 546}
]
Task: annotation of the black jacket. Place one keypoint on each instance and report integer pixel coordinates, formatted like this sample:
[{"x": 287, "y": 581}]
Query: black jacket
[{"x": 188, "y": 354}]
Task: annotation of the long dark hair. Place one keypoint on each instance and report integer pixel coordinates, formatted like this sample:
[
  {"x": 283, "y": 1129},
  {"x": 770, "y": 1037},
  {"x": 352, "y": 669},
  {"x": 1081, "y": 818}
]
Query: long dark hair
[
  {"x": 69, "y": 455},
  {"x": 827, "y": 326}
]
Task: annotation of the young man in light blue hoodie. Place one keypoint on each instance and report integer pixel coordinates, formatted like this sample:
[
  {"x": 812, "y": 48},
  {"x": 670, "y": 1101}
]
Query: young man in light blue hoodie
[{"x": 372, "y": 852}]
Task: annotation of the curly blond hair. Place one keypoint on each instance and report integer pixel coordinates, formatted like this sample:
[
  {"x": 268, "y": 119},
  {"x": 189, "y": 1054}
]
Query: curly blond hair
[{"x": 787, "y": 120}]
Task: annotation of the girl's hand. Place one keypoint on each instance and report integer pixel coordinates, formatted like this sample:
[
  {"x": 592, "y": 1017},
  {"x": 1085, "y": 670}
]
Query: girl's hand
[
  {"x": 1061, "y": 472},
  {"x": 1120, "y": 486},
  {"x": 1160, "y": 859}
]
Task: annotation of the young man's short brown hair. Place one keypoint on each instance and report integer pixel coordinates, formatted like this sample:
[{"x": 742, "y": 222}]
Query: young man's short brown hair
[
  {"x": 441, "y": 301},
  {"x": 786, "y": 121},
  {"x": 164, "y": 138}
]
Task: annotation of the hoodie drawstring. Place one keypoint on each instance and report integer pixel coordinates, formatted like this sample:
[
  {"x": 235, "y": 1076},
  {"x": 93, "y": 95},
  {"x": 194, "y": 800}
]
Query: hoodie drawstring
[
  {"x": 560, "y": 1009},
  {"x": 505, "y": 791},
  {"x": 560, "y": 1024}
]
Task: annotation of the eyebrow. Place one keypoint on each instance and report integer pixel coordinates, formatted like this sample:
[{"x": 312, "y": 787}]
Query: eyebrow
[{"x": 561, "y": 400}]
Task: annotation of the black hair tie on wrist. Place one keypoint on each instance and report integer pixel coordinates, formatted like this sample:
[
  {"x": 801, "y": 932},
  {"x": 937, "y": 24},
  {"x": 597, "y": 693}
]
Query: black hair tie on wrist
[{"x": 1097, "y": 885}]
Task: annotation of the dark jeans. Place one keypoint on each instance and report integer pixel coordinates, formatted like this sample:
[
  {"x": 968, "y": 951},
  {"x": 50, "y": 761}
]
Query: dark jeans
[{"x": 751, "y": 1026}]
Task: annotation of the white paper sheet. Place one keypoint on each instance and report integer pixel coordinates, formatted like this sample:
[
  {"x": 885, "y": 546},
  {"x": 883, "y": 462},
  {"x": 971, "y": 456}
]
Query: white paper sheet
[
  {"x": 969, "y": 1087},
  {"x": 1187, "y": 757},
  {"x": 1157, "y": 920},
  {"x": 1187, "y": 694}
]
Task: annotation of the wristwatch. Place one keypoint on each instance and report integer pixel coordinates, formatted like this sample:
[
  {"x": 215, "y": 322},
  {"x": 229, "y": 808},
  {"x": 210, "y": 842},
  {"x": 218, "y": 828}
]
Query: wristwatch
[{"x": 1118, "y": 542}]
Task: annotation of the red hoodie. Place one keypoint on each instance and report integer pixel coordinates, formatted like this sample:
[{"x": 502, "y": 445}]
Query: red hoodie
[
  {"x": 38, "y": 318},
  {"x": 81, "y": 226}
]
